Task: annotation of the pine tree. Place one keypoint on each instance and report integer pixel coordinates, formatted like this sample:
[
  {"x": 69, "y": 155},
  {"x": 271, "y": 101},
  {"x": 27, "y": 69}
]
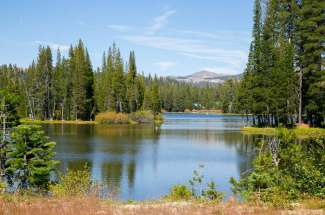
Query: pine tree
[
  {"x": 30, "y": 158},
  {"x": 132, "y": 90},
  {"x": 156, "y": 105},
  {"x": 118, "y": 83},
  {"x": 311, "y": 30},
  {"x": 44, "y": 83},
  {"x": 250, "y": 92},
  {"x": 82, "y": 83}
]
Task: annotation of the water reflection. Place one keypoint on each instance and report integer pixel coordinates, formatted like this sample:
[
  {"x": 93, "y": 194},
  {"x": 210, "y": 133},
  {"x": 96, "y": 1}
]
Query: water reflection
[{"x": 144, "y": 161}]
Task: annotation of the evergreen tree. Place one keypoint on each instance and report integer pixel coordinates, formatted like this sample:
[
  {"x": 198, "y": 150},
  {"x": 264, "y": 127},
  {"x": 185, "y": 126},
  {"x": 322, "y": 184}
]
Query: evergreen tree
[
  {"x": 132, "y": 90},
  {"x": 44, "y": 83},
  {"x": 82, "y": 83},
  {"x": 118, "y": 83},
  {"x": 156, "y": 106},
  {"x": 30, "y": 158},
  {"x": 311, "y": 30}
]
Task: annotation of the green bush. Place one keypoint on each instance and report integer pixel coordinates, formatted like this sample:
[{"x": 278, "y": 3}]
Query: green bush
[
  {"x": 73, "y": 183},
  {"x": 179, "y": 192},
  {"x": 211, "y": 193}
]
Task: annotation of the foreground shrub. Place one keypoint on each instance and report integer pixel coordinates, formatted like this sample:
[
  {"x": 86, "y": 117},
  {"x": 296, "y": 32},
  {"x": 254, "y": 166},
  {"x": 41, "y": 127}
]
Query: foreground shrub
[
  {"x": 196, "y": 190},
  {"x": 179, "y": 192},
  {"x": 285, "y": 171},
  {"x": 211, "y": 193},
  {"x": 74, "y": 183},
  {"x": 112, "y": 118}
]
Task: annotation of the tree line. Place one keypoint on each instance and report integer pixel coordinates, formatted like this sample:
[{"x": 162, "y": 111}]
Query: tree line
[
  {"x": 70, "y": 89},
  {"x": 284, "y": 79},
  {"x": 180, "y": 96}
]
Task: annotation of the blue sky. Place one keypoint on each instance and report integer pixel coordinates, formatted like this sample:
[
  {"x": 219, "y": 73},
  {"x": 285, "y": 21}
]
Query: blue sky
[{"x": 169, "y": 37}]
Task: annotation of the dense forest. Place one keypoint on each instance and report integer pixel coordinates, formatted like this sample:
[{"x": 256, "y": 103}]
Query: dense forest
[{"x": 284, "y": 79}]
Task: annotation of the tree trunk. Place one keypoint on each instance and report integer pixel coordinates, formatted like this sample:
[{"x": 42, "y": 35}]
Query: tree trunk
[{"x": 300, "y": 98}]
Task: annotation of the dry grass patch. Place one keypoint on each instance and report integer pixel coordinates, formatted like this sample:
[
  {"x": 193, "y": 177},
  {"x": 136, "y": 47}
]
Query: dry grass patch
[
  {"x": 112, "y": 118},
  {"x": 94, "y": 206}
]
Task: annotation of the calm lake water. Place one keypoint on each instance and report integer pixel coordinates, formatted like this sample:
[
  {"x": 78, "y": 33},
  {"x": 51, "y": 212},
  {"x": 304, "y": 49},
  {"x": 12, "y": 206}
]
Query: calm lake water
[{"x": 145, "y": 161}]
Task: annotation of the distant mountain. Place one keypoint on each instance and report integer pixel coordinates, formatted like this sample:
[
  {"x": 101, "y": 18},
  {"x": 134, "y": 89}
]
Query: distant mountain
[{"x": 207, "y": 77}]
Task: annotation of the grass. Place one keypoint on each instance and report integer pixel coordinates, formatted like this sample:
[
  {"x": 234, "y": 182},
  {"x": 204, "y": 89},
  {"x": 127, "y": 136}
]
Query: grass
[
  {"x": 36, "y": 121},
  {"x": 301, "y": 132},
  {"x": 82, "y": 205}
]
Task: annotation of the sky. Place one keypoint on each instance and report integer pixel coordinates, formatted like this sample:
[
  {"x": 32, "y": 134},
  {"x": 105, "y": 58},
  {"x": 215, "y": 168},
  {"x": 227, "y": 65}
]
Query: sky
[{"x": 169, "y": 37}]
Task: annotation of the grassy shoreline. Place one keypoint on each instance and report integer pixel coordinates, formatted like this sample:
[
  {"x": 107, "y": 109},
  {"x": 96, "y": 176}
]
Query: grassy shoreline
[
  {"x": 300, "y": 132},
  {"x": 36, "y": 121}
]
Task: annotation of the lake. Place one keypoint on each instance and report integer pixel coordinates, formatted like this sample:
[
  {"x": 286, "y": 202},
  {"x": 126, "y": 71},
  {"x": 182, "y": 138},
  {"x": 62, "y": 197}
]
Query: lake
[{"x": 144, "y": 161}]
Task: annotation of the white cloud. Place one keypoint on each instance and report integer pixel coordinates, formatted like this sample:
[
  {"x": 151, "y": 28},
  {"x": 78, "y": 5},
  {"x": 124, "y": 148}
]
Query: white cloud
[
  {"x": 160, "y": 21},
  {"x": 165, "y": 65},
  {"x": 52, "y": 45},
  {"x": 121, "y": 28}
]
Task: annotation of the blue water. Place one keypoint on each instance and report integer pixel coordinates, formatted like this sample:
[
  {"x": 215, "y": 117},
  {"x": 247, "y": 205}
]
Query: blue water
[{"x": 144, "y": 161}]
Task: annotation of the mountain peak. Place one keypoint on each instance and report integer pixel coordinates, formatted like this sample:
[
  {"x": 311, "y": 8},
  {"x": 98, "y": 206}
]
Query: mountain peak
[{"x": 207, "y": 76}]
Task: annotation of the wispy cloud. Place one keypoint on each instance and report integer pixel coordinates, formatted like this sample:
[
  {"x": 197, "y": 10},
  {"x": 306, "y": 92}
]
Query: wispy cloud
[
  {"x": 52, "y": 45},
  {"x": 240, "y": 36},
  {"x": 165, "y": 65},
  {"x": 120, "y": 28},
  {"x": 225, "y": 49},
  {"x": 193, "y": 48},
  {"x": 160, "y": 21}
]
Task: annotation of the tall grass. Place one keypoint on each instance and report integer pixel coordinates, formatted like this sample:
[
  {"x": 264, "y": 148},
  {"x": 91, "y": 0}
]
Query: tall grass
[
  {"x": 123, "y": 118},
  {"x": 112, "y": 118}
]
